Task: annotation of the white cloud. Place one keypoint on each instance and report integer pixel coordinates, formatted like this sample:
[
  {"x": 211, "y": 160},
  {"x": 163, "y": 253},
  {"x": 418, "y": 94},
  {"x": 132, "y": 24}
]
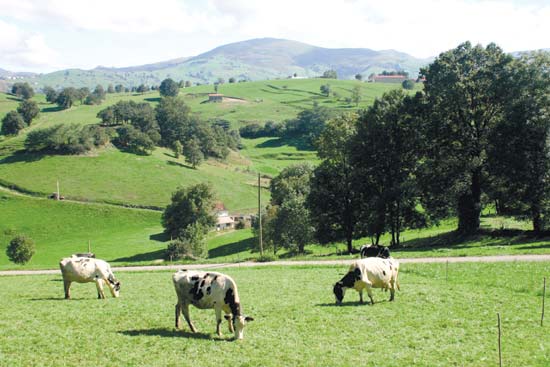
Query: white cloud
[
  {"x": 421, "y": 28},
  {"x": 22, "y": 51}
]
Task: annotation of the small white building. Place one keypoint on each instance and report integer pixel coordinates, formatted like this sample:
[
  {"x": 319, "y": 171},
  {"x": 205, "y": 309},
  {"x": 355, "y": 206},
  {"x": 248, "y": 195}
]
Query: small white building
[{"x": 224, "y": 221}]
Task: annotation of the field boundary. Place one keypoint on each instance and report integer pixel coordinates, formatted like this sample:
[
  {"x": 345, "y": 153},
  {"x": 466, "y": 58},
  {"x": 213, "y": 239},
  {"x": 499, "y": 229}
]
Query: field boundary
[{"x": 246, "y": 264}]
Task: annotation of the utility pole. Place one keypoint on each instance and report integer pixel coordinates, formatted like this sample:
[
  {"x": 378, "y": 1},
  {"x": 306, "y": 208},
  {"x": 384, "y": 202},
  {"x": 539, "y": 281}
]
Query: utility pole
[
  {"x": 58, "y": 197},
  {"x": 260, "y": 215}
]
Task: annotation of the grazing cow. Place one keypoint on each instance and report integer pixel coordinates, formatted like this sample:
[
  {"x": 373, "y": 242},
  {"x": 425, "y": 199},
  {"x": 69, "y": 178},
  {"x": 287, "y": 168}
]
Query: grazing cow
[
  {"x": 86, "y": 269},
  {"x": 209, "y": 290},
  {"x": 372, "y": 272},
  {"x": 374, "y": 251}
]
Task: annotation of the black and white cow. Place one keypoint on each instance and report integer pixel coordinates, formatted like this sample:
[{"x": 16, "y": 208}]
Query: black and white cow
[
  {"x": 374, "y": 251},
  {"x": 371, "y": 272},
  {"x": 209, "y": 290},
  {"x": 86, "y": 269}
]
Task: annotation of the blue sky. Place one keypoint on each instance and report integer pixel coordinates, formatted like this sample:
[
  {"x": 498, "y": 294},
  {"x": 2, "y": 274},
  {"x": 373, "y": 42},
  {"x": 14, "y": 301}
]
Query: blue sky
[{"x": 48, "y": 35}]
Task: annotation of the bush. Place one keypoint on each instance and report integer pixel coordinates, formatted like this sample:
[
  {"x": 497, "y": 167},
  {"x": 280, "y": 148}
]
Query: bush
[
  {"x": 407, "y": 84},
  {"x": 240, "y": 225},
  {"x": 20, "y": 249},
  {"x": 189, "y": 244},
  {"x": 177, "y": 250},
  {"x": 266, "y": 258}
]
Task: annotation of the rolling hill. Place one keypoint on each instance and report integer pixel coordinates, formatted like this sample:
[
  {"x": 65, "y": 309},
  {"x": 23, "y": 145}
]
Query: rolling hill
[{"x": 256, "y": 59}]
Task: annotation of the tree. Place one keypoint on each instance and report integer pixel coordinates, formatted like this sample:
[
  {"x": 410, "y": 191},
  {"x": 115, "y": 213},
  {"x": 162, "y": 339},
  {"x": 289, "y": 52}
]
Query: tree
[
  {"x": 325, "y": 89},
  {"x": 51, "y": 94},
  {"x": 333, "y": 203},
  {"x": 28, "y": 110},
  {"x": 134, "y": 140},
  {"x": 187, "y": 84},
  {"x": 466, "y": 89},
  {"x": 408, "y": 84},
  {"x": 231, "y": 80},
  {"x": 119, "y": 88},
  {"x": 308, "y": 124},
  {"x": 169, "y": 88},
  {"x": 356, "y": 94},
  {"x": 66, "y": 98},
  {"x": 174, "y": 119},
  {"x": 20, "y": 249},
  {"x": 177, "y": 149},
  {"x": 358, "y": 77},
  {"x": 384, "y": 160},
  {"x": 189, "y": 206},
  {"x": 82, "y": 94},
  {"x": 518, "y": 154},
  {"x": 22, "y": 90},
  {"x": 12, "y": 123},
  {"x": 291, "y": 225},
  {"x": 330, "y": 74},
  {"x": 193, "y": 153},
  {"x": 110, "y": 88},
  {"x": 142, "y": 88}
]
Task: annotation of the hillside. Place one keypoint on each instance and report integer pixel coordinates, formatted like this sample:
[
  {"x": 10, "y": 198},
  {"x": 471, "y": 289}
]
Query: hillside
[
  {"x": 113, "y": 176},
  {"x": 256, "y": 59}
]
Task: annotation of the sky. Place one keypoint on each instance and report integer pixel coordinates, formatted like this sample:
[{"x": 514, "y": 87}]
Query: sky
[{"x": 47, "y": 35}]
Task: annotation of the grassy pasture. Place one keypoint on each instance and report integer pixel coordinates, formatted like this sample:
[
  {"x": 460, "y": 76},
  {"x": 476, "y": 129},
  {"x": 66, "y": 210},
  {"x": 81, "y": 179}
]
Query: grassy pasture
[
  {"x": 126, "y": 236},
  {"x": 433, "y": 322},
  {"x": 109, "y": 175}
]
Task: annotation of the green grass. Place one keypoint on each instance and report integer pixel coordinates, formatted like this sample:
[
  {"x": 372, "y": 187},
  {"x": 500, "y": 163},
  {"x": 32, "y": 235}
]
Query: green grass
[
  {"x": 433, "y": 322},
  {"x": 62, "y": 228},
  {"x": 134, "y": 237},
  {"x": 109, "y": 175}
]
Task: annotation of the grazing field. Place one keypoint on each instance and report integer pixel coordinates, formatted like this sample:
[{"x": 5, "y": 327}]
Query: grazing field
[{"x": 433, "y": 321}]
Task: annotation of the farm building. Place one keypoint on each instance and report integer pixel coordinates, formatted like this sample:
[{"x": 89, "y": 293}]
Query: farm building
[
  {"x": 224, "y": 221},
  {"x": 388, "y": 78},
  {"x": 215, "y": 97}
]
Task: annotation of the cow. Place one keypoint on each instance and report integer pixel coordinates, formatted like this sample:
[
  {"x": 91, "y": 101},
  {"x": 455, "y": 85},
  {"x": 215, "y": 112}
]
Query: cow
[
  {"x": 86, "y": 269},
  {"x": 371, "y": 272},
  {"x": 374, "y": 251},
  {"x": 206, "y": 290}
]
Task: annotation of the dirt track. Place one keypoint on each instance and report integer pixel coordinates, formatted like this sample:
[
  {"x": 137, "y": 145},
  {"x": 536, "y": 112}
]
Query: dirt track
[{"x": 499, "y": 258}]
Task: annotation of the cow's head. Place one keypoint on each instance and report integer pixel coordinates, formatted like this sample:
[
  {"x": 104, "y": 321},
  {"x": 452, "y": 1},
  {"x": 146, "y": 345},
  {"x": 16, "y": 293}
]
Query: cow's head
[
  {"x": 239, "y": 322},
  {"x": 384, "y": 253},
  {"x": 348, "y": 281},
  {"x": 114, "y": 285},
  {"x": 339, "y": 291}
]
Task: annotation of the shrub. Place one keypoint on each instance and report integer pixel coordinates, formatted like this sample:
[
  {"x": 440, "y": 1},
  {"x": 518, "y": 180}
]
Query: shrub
[
  {"x": 177, "y": 250},
  {"x": 240, "y": 225},
  {"x": 20, "y": 249}
]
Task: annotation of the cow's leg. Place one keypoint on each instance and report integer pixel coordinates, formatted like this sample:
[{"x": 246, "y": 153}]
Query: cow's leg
[
  {"x": 99, "y": 286},
  {"x": 185, "y": 309},
  {"x": 361, "y": 296},
  {"x": 369, "y": 292},
  {"x": 218, "y": 320},
  {"x": 178, "y": 313},
  {"x": 67, "y": 287}
]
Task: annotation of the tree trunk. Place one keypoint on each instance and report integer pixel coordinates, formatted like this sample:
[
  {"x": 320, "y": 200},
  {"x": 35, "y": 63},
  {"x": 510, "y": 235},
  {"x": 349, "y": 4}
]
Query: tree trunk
[
  {"x": 469, "y": 206},
  {"x": 537, "y": 220}
]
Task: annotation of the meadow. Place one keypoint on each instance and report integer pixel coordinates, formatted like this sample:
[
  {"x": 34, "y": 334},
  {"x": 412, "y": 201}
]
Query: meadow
[
  {"x": 129, "y": 236},
  {"x": 434, "y": 321},
  {"x": 112, "y": 176}
]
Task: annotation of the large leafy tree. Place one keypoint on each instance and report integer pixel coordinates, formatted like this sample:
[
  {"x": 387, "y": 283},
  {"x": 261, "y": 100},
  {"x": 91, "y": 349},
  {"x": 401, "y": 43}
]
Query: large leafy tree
[
  {"x": 66, "y": 98},
  {"x": 519, "y": 151},
  {"x": 169, "y": 88},
  {"x": 12, "y": 123},
  {"x": 190, "y": 206},
  {"x": 28, "y": 110},
  {"x": 22, "y": 90},
  {"x": 466, "y": 89},
  {"x": 289, "y": 224},
  {"x": 333, "y": 200},
  {"x": 385, "y": 155},
  {"x": 174, "y": 119}
]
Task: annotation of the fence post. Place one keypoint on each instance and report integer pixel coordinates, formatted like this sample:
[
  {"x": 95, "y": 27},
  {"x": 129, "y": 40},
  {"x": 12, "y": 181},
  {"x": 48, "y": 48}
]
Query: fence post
[
  {"x": 543, "y": 297},
  {"x": 499, "y": 341}
]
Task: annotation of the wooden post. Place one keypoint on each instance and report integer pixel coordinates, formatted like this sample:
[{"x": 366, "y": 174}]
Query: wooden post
[
  {"x": 446, "y": 271},
  {"x": 89, "y": 247},
  {"x": 260, "y": 215},
  {"x": 499, "y": 343},
  {"x": 58, "y": 197},
  {"x": 543, "y": 296}
]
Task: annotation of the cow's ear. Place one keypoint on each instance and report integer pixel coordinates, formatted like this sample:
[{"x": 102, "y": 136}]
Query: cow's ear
[
  {"x": 248, "y": 318},
  {"x": 227, "y": 317}
]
